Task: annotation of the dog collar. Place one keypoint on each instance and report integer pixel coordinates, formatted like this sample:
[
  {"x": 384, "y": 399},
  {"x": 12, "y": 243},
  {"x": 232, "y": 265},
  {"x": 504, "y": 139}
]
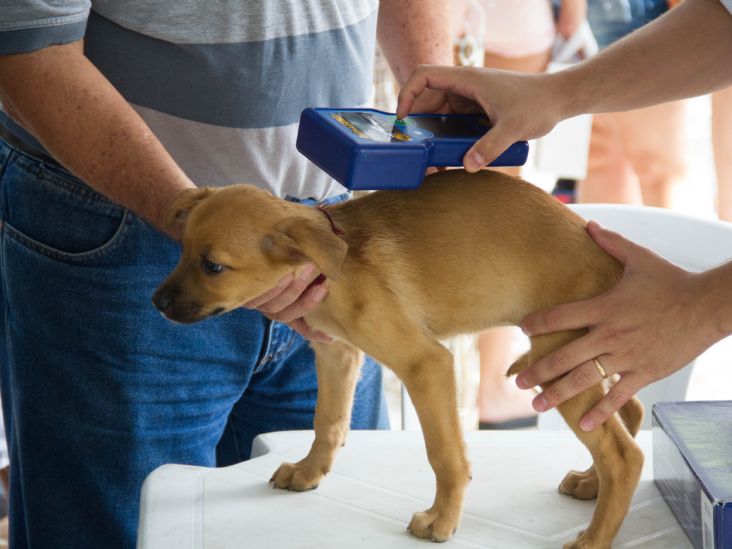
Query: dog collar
[
  {"x": 336, "y": 229},
  {"x": 317, "y": 282}
]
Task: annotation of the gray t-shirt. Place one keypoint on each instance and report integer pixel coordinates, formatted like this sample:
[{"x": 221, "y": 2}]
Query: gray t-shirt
[{"x": 221, "y": 83}]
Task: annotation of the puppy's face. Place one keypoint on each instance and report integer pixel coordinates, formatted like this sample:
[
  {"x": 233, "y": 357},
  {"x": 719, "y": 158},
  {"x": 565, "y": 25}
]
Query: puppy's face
[{"x": 238, "y": 242}]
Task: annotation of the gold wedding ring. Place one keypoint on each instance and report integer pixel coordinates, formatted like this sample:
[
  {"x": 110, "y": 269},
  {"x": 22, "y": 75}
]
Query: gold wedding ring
[{"x": 599, "y": 367}]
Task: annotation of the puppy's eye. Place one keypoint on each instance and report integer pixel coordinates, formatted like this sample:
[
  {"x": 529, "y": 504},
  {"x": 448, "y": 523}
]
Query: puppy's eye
[{"x": 210, "y": 267}]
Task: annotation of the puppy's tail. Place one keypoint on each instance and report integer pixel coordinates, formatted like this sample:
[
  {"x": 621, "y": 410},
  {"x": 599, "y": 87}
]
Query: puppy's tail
[{"x": 519, "y": 365}]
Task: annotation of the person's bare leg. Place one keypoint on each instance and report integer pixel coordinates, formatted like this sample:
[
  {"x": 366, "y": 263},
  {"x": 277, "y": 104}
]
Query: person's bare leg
[
  {"x": 499, "y": 399},
  {"x": 654, "y": 143},
  {"x": 610, "y": 177},
  {"x": 531, "y": 63},
  {"x": 722, "y": 144}
]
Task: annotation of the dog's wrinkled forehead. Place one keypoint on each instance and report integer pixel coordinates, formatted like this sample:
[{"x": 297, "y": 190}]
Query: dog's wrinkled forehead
[
  {"x": 238, "y": 203},
  {"x": 233, "y": 218}
]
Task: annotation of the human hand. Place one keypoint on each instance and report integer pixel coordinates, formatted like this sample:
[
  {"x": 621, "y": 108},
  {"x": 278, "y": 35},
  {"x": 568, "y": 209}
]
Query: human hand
[
  {"x": 571, "y": 15},
  {"x": 648, "y": 326},
  {"x": 519, "y": 105},
  {"x": 291, "y": 299},
  {"x": 433, "y": 101}
]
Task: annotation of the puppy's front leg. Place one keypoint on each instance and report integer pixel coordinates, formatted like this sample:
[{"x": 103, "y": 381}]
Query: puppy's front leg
[
  {"x": 430, "y": 380},
  {"x": 337, "y": 364}
]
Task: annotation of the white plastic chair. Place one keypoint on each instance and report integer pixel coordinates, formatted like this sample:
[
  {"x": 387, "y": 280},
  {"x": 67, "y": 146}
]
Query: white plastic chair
[{"x": 692, "y": 243}]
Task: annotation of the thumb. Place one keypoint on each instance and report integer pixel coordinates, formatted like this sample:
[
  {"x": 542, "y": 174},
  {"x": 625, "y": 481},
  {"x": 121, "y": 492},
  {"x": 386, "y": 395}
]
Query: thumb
[
  {"x": 613, "y": 243},
  {"x": 488, "y": 148}
]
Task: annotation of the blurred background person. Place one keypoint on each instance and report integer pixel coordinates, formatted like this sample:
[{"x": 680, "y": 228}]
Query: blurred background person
[
  {"x": 638, "y": 156},
  {"x": 722, "y": 146}
]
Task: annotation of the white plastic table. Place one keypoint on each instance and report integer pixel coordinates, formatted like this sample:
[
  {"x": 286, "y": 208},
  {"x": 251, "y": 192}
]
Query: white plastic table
[{"x": 379, "y": 479}]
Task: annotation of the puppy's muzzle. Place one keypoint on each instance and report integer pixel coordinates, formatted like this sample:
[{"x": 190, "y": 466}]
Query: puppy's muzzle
[
  {"x": 164, "y": 298},
  {"x": 172, "y": 302}
]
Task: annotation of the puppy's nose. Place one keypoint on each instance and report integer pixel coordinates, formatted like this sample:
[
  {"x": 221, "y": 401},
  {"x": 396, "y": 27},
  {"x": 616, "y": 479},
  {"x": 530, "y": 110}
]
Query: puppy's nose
[{"x": 163, "y": 298}]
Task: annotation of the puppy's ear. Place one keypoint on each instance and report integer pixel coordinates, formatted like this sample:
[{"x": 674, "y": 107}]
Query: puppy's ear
[
  {"x": 183, "y": 203},
  {"x": 298, "y": 240}
]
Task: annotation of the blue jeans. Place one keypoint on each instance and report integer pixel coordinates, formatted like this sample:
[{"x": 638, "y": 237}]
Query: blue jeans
[
  {"x": 99, "y": 389},
  {"x": 611, "y": 20}
]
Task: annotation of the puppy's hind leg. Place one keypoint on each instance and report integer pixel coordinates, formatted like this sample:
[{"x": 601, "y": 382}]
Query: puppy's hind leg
[
  {"x": 585, "y": 484},
  {"x": 617, "y": 458},
  {"x": 632, "y": 415},
  {"x": 578, "y": 484},
  {"x": 618, "y": 462},
  {"x": 338, "y": 365}
]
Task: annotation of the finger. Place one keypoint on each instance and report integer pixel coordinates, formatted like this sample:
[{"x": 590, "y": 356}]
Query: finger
[
  {"x": 617, "y": 396},
  {"x": 292, "y": 292},
  {"x": 301, "y": 327},
  {"x": 460, "y": 80},
  {"x": 270, "y": 294},
  {"x": 613, "y": 243},
  {"x": 307, "y": 301},
  {"x": 489, "y": 147},
  {"x": 559, "y": 362},
  {"x": 431, "y": 101},
  {"x": 415, "y": 86},
  {"x": 573, "y": 383},
  {"x": 567, "y": 316}
]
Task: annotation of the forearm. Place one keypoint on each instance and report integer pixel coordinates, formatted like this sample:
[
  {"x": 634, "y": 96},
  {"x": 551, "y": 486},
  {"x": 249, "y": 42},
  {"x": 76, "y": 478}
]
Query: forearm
[
  {"x": 682, "y": 54},
  {"x": 72, "y": 109},
  {"x": 414, "y": 32}
]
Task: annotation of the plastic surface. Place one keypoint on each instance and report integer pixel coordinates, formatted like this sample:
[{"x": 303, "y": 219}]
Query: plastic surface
[
  {"x": 367, "y": 149},
  {"x": 378, "y": 480}
]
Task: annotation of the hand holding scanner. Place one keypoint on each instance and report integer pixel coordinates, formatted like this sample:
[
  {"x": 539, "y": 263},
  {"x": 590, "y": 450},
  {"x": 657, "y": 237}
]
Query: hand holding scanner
[{"x": 367, "y": 149}]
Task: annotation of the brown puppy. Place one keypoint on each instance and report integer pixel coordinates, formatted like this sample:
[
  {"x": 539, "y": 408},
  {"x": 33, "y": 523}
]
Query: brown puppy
[{"x": 406, "y": 269}]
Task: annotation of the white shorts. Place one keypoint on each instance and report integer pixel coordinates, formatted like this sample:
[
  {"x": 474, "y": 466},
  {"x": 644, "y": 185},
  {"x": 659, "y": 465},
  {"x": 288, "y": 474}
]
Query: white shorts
[{"x": 513, "y": 28}]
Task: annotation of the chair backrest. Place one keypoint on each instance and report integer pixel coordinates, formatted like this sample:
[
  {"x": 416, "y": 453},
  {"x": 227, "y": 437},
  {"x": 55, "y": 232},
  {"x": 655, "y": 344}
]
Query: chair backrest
[{"x": 692, "y": 243}]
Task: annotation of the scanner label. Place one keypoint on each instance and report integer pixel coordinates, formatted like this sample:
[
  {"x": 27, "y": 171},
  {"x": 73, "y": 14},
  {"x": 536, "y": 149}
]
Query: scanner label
[{"x": 372, "y": 126}]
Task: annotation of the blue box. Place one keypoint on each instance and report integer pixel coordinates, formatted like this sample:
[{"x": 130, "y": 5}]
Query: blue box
[
  {"x": 367, "y": 149},
  {"x": 692, "y": 468}
]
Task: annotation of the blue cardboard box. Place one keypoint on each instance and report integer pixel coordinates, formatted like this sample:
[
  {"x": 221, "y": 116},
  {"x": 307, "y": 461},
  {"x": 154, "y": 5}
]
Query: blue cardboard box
[{"x": 692, "y": 468}]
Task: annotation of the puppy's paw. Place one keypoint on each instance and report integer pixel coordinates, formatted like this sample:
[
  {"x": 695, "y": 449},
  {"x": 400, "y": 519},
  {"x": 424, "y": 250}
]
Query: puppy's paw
[
  {"x": 297, "y": 477},
  {"x": 432, "y": 525},
  {"x": 580, "y": 485}
]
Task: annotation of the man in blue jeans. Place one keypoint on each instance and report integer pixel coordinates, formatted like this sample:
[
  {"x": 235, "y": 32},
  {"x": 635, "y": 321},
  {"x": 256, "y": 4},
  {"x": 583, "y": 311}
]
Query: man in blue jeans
[{"x": 140, "y": 100}]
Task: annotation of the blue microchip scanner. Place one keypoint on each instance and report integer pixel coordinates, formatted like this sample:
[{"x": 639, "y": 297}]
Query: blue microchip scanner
[{"x": 368, "y": 149}]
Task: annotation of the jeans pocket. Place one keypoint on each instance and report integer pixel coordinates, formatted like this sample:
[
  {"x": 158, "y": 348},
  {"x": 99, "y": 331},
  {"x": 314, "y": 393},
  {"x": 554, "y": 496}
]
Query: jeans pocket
[{"x": 53, "y": 213}]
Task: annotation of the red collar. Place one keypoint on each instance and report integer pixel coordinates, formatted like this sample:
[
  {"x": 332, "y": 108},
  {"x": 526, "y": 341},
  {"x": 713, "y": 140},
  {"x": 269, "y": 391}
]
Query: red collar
[{"x": 336, "y": 229}]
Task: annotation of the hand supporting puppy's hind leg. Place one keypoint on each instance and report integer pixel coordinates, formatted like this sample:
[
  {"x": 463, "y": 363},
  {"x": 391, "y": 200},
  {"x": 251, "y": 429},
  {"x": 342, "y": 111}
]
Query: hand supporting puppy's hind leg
[{"x": 338, "y": 364}]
